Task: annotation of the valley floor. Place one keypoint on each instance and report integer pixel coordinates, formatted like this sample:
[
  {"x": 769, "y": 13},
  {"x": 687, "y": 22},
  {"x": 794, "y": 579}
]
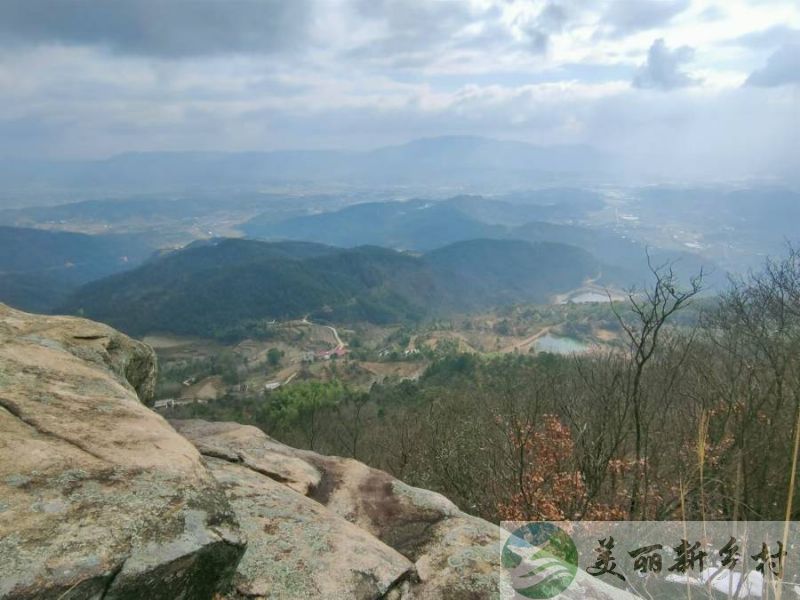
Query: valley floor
[{"x": 361, "y": 355}]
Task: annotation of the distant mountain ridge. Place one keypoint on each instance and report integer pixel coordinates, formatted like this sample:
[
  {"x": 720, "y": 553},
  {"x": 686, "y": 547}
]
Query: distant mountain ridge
[
  {"x": 424, "y": 224},
  {"x": 410, "y": 225},
  {"x": 219, "y": 288},
  {"x": 545, "y": 215},
  {"x": 448, "y": 160}
]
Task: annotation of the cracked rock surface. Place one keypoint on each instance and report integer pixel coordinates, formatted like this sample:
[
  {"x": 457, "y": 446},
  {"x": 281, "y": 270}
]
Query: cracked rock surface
[{"x": 99, "y": 496}]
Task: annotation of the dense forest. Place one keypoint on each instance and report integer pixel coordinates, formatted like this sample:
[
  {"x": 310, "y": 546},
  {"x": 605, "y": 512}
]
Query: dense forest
[
  {"x": 695, "y": 422},
  {"x": 220, "y": 288}
]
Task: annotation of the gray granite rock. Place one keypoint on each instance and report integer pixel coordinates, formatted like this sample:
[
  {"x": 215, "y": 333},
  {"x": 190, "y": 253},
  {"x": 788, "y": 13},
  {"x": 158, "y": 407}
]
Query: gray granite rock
[{"x": 101, "y": 498}]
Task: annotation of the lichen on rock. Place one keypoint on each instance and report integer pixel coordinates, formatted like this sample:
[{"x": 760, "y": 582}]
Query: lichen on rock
[{"x": 101, "y": 497}]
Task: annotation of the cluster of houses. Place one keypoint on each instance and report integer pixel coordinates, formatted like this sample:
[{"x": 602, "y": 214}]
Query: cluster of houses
[
  {"x": 311, "y": 356},
  {"x": 338, "y": 352}
]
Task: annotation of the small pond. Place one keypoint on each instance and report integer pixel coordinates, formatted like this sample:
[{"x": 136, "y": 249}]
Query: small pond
[
  {"x": 559, "y": 345},
  {"x": 586, "y": 297}
]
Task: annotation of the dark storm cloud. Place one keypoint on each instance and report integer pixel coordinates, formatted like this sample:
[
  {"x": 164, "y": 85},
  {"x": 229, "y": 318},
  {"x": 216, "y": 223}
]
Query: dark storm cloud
[
  {"x": 624, "y": 17},
  {"x": 157, "y": 27},
  {"x": 662, "y": 70},
  {"x": 782, "y": 68}
]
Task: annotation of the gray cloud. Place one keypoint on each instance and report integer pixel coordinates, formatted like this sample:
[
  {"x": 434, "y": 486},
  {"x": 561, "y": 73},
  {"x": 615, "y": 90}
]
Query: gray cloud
[
  {"x": 783, "y": 67},
  {"x": 712, "y": 13},
  {"x": 678, "y": 134},
  {"x": 161, "y": 28},
  {"x": 413, "y": 33},
  {"x": 662, "y": 70},
  {"x": 77, "y": 78},
  {"x": 552, "y": 19},
  {"x": 624, "y": 17},
  {"x": 771, "y": 37}
]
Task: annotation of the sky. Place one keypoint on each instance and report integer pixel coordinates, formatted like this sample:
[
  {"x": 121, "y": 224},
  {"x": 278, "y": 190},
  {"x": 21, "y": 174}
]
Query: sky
[{"x": 711, "y": 84}]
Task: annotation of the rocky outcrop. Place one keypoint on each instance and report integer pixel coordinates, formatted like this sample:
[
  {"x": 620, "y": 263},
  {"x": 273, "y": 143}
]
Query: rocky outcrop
[
  {"x": 132, "y": 364},
  {"x": 435, "y": 550},
  {"x": 99, "y": 496},
  {"x": 288, "y": 499},
  {"x": 297, "y": 549}
]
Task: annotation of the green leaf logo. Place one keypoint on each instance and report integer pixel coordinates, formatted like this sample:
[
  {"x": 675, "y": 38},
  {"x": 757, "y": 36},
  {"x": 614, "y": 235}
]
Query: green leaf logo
[{"x": 541, "y": 559}]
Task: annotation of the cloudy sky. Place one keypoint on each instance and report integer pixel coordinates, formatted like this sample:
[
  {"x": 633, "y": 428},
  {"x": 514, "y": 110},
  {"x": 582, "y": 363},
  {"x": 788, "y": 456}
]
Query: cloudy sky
[{"x": 711, "y": 82}]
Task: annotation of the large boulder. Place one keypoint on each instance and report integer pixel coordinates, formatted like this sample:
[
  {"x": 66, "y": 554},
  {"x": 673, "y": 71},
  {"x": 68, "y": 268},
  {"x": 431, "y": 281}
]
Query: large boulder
[
  {"x": 250, "y": 446},
  {"x": 297, "y": 549},
  {"x": 454, "y": 555},
  {"x": 99, "y": 496}
]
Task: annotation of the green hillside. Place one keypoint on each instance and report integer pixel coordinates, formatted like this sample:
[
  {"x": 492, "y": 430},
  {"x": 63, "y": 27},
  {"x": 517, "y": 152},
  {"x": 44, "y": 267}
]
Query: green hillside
[
  {"x": 219, "y": 288},
  {"x": 479, "y": 273}
]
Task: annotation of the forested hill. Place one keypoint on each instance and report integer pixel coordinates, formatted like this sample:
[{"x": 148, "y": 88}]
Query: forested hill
[
  {"x": 413, "y": 225},
  {"x": 224, "y": 287},
  {"x": 480, "y": 273},
  {"x": 38, "y": 268}
]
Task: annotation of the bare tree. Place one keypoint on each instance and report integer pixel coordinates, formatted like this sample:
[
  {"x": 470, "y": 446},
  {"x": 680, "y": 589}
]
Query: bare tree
[{"x": 650, "y": 310}]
